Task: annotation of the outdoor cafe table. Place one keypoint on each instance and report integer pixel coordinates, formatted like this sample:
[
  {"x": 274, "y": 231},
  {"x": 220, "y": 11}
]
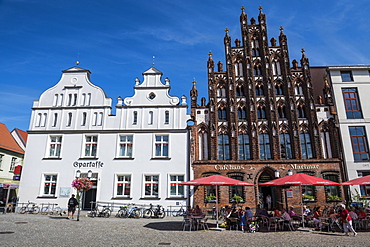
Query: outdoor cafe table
[{"x": 196, "y": 219}]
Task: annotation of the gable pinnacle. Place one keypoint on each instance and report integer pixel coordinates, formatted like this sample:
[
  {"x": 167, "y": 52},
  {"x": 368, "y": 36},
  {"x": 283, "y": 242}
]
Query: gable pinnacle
[
  {"x": 260, "y": 9},
  {"x": 242, "y": 8}
]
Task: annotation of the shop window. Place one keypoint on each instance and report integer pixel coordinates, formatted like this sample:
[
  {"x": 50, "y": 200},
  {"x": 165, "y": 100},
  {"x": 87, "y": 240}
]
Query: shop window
[
  {"x": 91, "y": 145},
  {"x": 123, "y": 185},
  {"x": 151, "y": 184},
  {"x": 175, "y": 189},
  {"x": 332, "y": 192},
  {"x": 236, "y": 192},
  {"x": 125, "y": 146},
  {"x": 55, "y": 146},
  {"x": 364, "y": 189},
  {"x": 264, "y": 144},
  {"x": 306, "y": 146},
  {"x": 161, "y": 146},
  {"x": 244, "y": 147},
  {"x": 352, "y": 103},
  {"x": 360, "y": 147},
  {"x": 49, "y": 184},
  {"x": 223, "y": 147}
]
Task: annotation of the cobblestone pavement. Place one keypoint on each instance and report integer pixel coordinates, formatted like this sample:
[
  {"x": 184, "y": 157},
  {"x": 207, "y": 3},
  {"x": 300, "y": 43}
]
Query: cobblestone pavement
[{"x": 41, "y": 230}]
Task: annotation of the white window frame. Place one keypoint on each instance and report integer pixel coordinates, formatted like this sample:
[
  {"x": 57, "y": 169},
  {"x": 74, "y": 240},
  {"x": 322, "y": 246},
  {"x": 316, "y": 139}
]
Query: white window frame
[
  {"x": 91, "y": 142},
  {"x": 44, "y": 182},
  {"x": 56, "y": 142},
  {"x": 124, "y": 183},
  {"x": 162, "y": 144},
  {"x": 170, "y": 184},
  {"x": 151, "y": 182},
  {"x": 125, "y": 142}
]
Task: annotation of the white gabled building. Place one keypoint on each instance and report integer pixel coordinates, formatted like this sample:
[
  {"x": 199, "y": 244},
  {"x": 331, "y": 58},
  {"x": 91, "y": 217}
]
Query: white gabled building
[
  {"x": 351, "y": 85},
  {"x": 137, "y": 156}
]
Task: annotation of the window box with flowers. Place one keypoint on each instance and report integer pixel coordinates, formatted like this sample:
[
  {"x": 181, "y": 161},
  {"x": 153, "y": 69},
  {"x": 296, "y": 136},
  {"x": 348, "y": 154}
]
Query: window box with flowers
[
  {"x": 308, "y": 198},
  {"x": 211, "y": 198},
  {"x": 334, "y": 198}
]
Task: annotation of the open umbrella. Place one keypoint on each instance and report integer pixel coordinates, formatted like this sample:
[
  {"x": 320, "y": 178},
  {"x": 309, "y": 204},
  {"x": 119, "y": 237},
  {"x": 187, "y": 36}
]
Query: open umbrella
[
  {"x": 358, "y": 181},
  {"x": 216, "y": 180},
  {"x": 300, "y": 179}
]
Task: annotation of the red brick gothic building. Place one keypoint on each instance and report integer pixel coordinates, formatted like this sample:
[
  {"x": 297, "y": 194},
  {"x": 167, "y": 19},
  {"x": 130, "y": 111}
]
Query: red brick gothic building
[{"x": 261, "y": 122}]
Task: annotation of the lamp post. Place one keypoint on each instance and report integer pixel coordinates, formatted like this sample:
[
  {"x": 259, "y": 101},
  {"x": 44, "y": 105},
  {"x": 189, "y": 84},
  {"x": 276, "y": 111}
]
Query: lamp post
[{"x": 82, "y": 192}]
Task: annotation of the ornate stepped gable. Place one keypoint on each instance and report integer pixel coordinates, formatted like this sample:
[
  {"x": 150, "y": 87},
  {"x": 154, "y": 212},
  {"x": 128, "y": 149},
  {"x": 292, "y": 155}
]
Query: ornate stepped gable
[{"x": 258, "y": 95}]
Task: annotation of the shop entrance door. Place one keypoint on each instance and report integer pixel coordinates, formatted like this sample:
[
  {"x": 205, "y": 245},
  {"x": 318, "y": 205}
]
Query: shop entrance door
[
  {"x": 89, "y": 199},
  {"x": 267, "y": 194}
]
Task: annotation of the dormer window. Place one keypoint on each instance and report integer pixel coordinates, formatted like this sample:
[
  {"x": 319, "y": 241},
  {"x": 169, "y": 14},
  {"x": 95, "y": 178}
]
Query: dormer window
[{"x": 152, "y": 96}]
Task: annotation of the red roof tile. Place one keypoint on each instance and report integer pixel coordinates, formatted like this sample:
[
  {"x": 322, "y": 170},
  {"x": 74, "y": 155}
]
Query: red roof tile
[{"x": 7, "y": 141}]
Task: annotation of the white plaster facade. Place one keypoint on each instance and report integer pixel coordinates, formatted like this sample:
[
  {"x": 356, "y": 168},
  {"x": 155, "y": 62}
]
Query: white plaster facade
[
  {"x": 359, "y": 79},
  {"x": 136, "y": 156}
]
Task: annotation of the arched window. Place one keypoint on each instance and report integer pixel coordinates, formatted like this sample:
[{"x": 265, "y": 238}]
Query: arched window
[
  {"x": 298, "y": 89},
  {"x": 69, "y": 99},
  {"x": 223, "y": 147},
  {"x": 278, "y": 89},
  {"x": 100, "y": 122},
  {"x": 83, "y": 101},
  {"x": 301, "y": 112},
  {"x": 242, "y": 113},
  {"x": 74, "y": 99},
  {"x": 238, "y": 69},
  {"x": 306, "y": 146},
  {"x": 244, "y": 147},
  {"x": 69, "y": 122},
  {"x": 257, "y": 70},
  {"x": 55, "y": 100},
  {"x": 281, "y": 112},
  {"x": 150, "y": 120},
  {"x": 55, "y": 119},
  {"x": 95, "y": 119},
  {"x": 43, "y": 121},
  {"x": 203, "y": 145},
  {"x": 84, "y": 115},
  {"x": 264, "y": 144},
  {"x": 222, "y": 114},
  {"x": 261, "y": 112},
  {"x": 285, "y": 146},
  {"x": 259, "y": 90},
  {"x": 240, "y": 91}
]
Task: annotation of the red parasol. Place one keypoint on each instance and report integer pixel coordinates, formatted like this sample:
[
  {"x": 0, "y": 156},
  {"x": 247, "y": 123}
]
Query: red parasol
[
  {"x": 300, "y": 179},
  {"x": 358, "y": 181},
  {"x": 216, "y": 180}
]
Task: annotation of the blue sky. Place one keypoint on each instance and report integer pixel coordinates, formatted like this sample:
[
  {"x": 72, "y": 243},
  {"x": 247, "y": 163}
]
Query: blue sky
[{"x": 116, "y": 39}]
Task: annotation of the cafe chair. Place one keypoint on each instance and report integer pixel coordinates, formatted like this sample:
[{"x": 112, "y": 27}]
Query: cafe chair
[
  {"x": 187, "y": 223},
  {"x": 234, "y": 223},
  {"x": 203, "y": 223}
]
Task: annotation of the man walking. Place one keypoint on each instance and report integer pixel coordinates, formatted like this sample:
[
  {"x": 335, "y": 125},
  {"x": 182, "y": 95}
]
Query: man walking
[{"x": 72, "y": 203}]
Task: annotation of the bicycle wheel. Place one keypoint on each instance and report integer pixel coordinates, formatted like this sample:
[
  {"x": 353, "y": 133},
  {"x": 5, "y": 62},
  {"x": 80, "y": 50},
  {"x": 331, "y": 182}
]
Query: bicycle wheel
[
  {"x": 44, "y": 210},
  {"x": 136, "y": 213},
  {"x": 181, "y": 212},
  {"x": 57, "y": 211},
  {"x": 36, "y": 210},
  {"x": 106, "y": 213},
  {"x": 147, "y": 213},
  {"x": 161, "y": 213},
  {"x": 23, "y": 210},
  {"x": 92, "y": 214}
]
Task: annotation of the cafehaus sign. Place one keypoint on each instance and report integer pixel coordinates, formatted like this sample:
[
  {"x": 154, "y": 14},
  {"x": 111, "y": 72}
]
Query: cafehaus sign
[
  {"x": 291, "y": 166},
  {"x": 93, "y": 164}
]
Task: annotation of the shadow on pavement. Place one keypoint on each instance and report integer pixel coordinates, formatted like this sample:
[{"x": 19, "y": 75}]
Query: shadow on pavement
[{"x": 165, "y": 226}]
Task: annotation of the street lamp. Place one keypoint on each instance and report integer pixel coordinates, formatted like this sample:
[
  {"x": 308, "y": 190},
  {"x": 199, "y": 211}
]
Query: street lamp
[
  {"x": 290, "y": 172},
  {"x": 277, "y": 174},
  {"x": 78, "y": 174}
]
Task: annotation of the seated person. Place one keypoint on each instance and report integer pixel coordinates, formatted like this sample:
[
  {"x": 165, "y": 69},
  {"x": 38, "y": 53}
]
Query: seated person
[
  {"x": 232, "y": 217},
  {"x": 306, "y": 211},
  {"x": 316, "y": 217},
  {"x": 353, "y": 214},
  {"x": 291, "y": 212},
  {"x": 188, "y": 211},
  {"x": 227, "y": 211},
  {"x": 197, "y": 210},
  {"x": 261, "y": 211},
  {"x": 285, "y": 216},
  {"x": 361, "y": 213},
  {"x": 249, "y": 213},
  {"x": 277, "y": 213}
]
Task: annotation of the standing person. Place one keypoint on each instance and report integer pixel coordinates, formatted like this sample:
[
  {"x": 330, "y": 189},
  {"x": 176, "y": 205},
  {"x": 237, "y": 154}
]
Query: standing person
[
  {"x": 72, "y": 203},
  {"x": 268, "y": 201},
  {"x": 243, "y": 220},
  {"x": 347, "y": 221}
]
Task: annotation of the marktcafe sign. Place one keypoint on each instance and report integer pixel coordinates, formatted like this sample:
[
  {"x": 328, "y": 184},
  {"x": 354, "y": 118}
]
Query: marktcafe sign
[
  {"x": 93, "y": 164},
  {"x": 241, "y": 167}
]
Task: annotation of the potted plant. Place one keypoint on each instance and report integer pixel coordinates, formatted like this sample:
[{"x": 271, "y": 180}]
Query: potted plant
[
  {"x": 308, "y": 198},
  {"x": 237, "y": 199},
  {"x": 334, "y": 198},
  {"x": 211, "y": 198}
]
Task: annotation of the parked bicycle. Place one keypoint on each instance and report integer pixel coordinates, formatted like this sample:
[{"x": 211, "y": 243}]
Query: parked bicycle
[
  {"x": 157, "y": 212},
  {"x": 51, "y": 208},
  {"x": 30, "y": 208},
  {"x": 105, "y": 212},
  {"x": 134, "y": 212},
  {"x": 122, "y": 212},
  {"x": 179, "y": 212}
]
